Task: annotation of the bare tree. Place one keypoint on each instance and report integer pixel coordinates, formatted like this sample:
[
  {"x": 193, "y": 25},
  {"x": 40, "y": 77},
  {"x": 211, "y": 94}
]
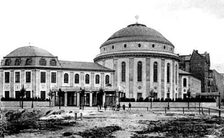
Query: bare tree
[
  {"x": 22, "y": 93},
  {"x": 51, "y": 95}
]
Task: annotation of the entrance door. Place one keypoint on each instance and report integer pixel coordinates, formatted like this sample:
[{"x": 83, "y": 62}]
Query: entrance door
[{"x": 71, "y": 98}]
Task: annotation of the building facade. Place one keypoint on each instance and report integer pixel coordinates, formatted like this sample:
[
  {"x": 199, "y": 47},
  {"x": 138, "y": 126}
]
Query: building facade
[
  {"x": 143, "y": 60},
  {"x": 39, "y": 72},
  {"x": 188, "y": 83},
  {"x": 198, "y": 65},
  {"x": 133, "y": 61}
]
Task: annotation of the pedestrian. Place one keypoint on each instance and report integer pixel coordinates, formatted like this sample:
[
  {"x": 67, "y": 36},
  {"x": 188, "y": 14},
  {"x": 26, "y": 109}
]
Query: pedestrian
[
  {"x": 118, "y": 107},
  {"x": 129, "y": 106},
  {"x": 123, "y": 106}
]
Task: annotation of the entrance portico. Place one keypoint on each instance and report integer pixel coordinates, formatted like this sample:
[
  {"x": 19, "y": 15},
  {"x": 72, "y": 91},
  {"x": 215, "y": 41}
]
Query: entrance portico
[{"x": 75, "y": 96}]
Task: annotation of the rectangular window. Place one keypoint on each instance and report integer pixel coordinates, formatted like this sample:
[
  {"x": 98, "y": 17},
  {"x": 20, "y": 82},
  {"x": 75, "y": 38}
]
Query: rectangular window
[
  {"x": 28, "y": 77},
  {"x": 53, "y": 77},
  {"x": 6, "y": 94},
  {"x": 7, "y": 76},
  {"x": 17, "y": 94},
  {"x": 27, "y": 94},
  {"x": 43, "y": 77},
  {"x": 42, "y": 95},
  {"x": 17, "y": 77}
]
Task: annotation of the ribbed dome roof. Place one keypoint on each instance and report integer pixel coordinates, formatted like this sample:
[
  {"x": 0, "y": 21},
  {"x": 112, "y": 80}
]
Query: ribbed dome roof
[
  {"x": 137, "y": 32},
  {"x": 29, "y": 51}
]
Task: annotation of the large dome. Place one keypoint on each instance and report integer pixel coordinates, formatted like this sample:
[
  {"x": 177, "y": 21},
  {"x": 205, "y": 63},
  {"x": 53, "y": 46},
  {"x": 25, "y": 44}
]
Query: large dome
[
  {"x": 137, "y": 32},
  {"x": 29, "y": 51}
]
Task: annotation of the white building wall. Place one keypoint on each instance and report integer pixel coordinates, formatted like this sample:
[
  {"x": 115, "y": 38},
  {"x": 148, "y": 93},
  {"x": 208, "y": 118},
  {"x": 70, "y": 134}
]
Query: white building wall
[
  {"x": 156, "y": 85},
  {"x": 139, "y": 87},
  {"x": 123, "y": 86}
]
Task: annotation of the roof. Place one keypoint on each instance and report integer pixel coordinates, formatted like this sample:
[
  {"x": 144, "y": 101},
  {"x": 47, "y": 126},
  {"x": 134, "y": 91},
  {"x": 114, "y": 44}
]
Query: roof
[
  {"x": 83, "y": 66},
  {"x": 137, "y": 32},
  {"x": 185, "y": 57},
  {"x": 184, "y": 72},
  {"x": 29, "y": 51}
]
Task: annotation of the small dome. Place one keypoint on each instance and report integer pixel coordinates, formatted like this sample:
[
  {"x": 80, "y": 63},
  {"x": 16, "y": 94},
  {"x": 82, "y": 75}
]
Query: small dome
[
  {"x": 29, "y": 51},
  {"x": 137, "y": 32}
]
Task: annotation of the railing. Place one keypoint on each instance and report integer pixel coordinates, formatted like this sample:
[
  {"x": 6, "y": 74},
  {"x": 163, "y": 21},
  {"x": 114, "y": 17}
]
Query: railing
[{"x": 200, "y": 110}]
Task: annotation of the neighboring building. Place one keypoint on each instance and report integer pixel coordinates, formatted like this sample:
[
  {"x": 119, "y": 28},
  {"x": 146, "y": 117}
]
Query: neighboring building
[
  {"x": 40, "y": 72},
  {"x": 188, "y": 83},
  {"x": 133, "y": 61},
  {"x": 198, "y": 65},
  {"x": 216, "y": 83}
]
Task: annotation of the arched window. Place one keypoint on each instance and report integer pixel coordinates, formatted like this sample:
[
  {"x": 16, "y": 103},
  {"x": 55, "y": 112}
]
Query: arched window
[
  {"x": 17, "y": 61},
  {"x": 7, "y": 62},
  {"x": 107, "y": 79},
  {"x": 76, "y": 78},
  {"x": 185, "y": 82},
  {"x": 176, "y": 74},
  {"x": 97, "y": 79},
  {"x": 168, "y": 73},
  {"x": 155, "y": 72},
  {"x": 53, "y": 62},
  {"x": 28, "y": 61},
  {"x": 123, "y": 71},
  {"x": 139, "y": 71},
  {"x": 66, "y": 78},
  {"x": 43, "y": 62},
  {"x": 87, "y": 78}
]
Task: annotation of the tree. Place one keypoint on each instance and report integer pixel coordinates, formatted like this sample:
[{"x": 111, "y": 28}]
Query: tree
[
  {"x": 152, "y": 94},
  {"x": 60, "y": 94},
  {"x": 22, "y": 93},
  {"x": 99, "y": 97},
  {"x": 82, "y": 97},
  {"x": 188, "y": 97},
  {"x": 51, "y": 95}
]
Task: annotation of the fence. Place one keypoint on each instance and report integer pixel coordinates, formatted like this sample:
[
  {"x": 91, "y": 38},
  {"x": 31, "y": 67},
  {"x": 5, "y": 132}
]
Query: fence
[{"x": 200, "y": 110}]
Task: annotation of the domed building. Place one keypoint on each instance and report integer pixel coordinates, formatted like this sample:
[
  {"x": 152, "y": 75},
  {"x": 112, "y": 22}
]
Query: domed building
[
  {"x": 143, "y": 60},
  {"x": 134, "y": 62}
]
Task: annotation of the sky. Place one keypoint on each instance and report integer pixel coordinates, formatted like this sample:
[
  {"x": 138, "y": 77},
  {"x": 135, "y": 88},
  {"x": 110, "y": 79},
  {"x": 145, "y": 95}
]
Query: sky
[{"x": 74, "y": 29}]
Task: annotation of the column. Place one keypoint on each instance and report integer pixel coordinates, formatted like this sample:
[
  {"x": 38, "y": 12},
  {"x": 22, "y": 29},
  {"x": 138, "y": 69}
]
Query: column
[
  {"x": 104, "y": 98},
  {"x": 66, "y": 99},
  {"x": 147, "y": 76},
  {"x": 78, "y": 99},
  {"x": 90, "y": 99},
  {"x": 162, "y": 78}
]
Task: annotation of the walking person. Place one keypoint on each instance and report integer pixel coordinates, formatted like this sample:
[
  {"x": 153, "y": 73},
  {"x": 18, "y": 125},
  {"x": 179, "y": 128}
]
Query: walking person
[
  {"x": 123, "y": 106},
  {"x": 129, "y": 106}
]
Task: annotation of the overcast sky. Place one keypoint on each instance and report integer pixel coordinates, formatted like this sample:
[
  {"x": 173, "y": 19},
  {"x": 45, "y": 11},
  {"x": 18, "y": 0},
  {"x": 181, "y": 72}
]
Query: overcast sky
[{"x": 75, "y": 29}]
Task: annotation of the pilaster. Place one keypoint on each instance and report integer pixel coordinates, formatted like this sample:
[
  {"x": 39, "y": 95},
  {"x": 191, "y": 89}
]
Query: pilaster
[
  {"x": 131, "y": 77},
  {"x": 147, "y": 75},
  {"x": 162, "y": 78}
]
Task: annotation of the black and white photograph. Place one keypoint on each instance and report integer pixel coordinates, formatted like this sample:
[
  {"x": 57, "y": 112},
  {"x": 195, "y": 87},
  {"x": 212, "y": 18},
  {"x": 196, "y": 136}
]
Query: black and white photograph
[{"x": 112, "y": 68}]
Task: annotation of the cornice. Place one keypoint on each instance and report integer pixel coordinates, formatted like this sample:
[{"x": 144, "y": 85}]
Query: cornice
[{"x": 139, "y": 54}]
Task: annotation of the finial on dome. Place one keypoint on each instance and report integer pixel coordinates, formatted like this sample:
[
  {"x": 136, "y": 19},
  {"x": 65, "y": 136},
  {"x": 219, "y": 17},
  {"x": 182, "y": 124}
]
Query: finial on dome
[
  {"x": 136, "y": 17},
  {"x": 29, "y": 44}
]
